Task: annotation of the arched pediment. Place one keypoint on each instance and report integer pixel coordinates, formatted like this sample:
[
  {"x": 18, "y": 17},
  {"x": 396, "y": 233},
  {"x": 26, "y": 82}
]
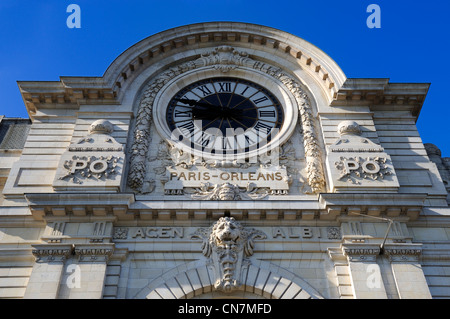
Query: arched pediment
[
  {"x": 261, "y": 279},
  {"x": 152, "y": 55},
  {"x": 275, "y": 43}
]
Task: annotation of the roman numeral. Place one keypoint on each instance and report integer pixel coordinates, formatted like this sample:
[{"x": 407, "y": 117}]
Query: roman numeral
[
  {"x": 242, "y": 93},
  {"x": 188, "y": 126},
  {"x": 204, "y": 140},
  {"x": 249, "y": 140},
  {"x": 204, "y": 89},
  {"x": 261, "y": 99},
  {"x": 266, "y": 113},
  {"x": 261, "y": 126},
  {"x": 224, "y": 87},
  {"x": 226, "y": 143},
  {"x": 182, "y": 113}
]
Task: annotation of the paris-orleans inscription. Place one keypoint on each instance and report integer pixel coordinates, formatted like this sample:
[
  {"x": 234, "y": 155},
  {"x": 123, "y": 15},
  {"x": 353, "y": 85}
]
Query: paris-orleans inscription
[
  {"x": 182, "y": 173},
  {"x": 199, "y": 178},
  {"x": 217, "y": 177}
]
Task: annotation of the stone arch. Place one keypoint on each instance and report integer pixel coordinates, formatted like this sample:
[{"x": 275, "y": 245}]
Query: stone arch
[
  {"x": 149, "y": 50},
  {"x": 261, "y": 279}
]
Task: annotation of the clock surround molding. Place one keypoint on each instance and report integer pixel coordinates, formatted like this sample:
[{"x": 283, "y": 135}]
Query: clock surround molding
[
  {"x": 285, "y": 87},
  {"x": 286, "y": 99}
]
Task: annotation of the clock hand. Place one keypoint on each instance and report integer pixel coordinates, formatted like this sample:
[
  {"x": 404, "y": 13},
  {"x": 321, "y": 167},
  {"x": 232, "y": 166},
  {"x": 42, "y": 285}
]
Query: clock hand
[
  {"x": 195, "y": 103},
  {"x": 206, "y": 106},
  {"x": 207, "y": 111},
  {"x": 200, "y": 113},
  {"x": 205, "y": 114}
]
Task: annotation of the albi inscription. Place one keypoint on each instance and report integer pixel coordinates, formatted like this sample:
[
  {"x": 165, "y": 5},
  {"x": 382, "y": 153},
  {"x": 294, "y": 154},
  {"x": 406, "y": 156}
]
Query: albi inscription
[{"x": 292, "y": 232}]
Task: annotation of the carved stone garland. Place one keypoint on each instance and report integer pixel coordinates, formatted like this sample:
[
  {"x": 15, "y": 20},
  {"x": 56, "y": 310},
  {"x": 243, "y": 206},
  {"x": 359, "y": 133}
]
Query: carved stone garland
[
  {"x": 314, "y": 169},
  {"x": 223, "y": 58}
]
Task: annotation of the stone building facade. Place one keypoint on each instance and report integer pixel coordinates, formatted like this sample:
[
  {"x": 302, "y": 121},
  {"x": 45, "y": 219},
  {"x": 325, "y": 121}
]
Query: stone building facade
[{"x": 328, "y": 193}]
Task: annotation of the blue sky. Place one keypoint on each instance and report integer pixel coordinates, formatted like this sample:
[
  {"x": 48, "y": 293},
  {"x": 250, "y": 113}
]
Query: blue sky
[{"x": 412, "y": 44}]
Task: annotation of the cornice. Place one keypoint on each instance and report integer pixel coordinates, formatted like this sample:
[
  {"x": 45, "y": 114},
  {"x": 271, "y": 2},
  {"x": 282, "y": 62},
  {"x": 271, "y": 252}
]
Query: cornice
[
  {"x": 226, "y": 33},
  {"x": 373, "y": 204},
  {"x": 52, "y": 252},
  {"x": 94, "y": 252},
  {"x": 361, "y": 251},
  {"x": 108, "y": 89},
  {"x": 78, "y": 204},
  {"x": 325, "y": 206},
  {"x": 403, "y": 252},
  {"x": 380, "y": 93},
  {"x": 67, "y": 91},
  {"x": 60, "y": 252}
]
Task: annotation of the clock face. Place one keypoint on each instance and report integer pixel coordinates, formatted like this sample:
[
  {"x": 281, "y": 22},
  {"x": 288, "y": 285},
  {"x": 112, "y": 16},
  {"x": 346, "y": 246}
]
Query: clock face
[{"x": 224, "y": 115}]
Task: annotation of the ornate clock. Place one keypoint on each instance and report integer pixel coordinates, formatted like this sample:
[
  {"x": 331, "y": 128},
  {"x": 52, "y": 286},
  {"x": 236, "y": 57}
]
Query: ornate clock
[
  {"x": 222, "y": 123},
  {"x": 224, "y": 115}
]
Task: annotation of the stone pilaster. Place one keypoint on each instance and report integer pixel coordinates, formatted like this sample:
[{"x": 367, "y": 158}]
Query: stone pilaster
[
  {"x": 90, "y": 265},
  {"x": 407, "y": 270},
  {"x": 364, "y": 271},
  {"x": 47, "y": 272}
]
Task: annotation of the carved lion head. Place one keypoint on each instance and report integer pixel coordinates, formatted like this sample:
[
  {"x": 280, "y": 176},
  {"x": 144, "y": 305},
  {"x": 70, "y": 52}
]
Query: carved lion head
[{"x": 226, "y": 230}]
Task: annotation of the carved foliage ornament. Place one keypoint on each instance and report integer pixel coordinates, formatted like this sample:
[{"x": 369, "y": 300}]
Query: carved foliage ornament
[
  {"x": 227, "y": 244},
  {"x": 224, "y": 58},
  {"x": 227, "y": 191},
  {"x": 334, "y": 233},
  {"x": 120, "y": 233}
]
